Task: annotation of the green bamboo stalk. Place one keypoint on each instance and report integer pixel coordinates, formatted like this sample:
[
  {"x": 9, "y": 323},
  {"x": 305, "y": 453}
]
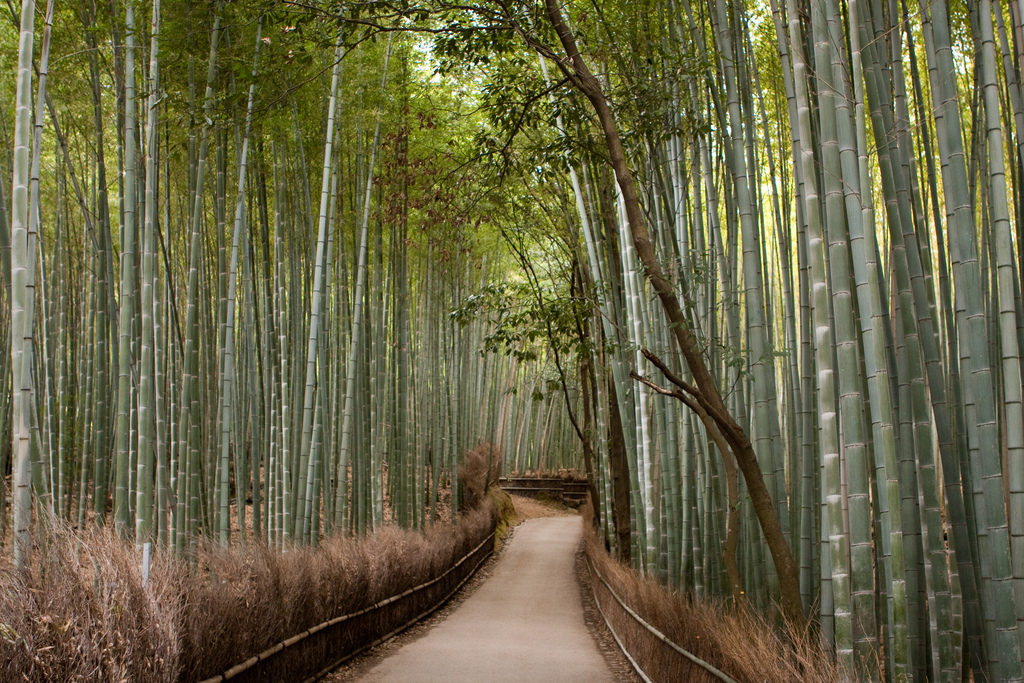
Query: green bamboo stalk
[
  {"x": 21, "y": 299},
  {"x": 189, "y": 420},
  {"x": 983, "y": 474},
  {"x": 128, "y": 288},
  {"x": 1009, "y": 352},
  {"x": 147, "y": 389},
  {"x": 228, "y": 366},
  {"x": 357, "y": 334},
  {"x": 838, "y": 214},
  {"x": 106, "y": 353},
  {"x": 766, "y": 426},
  {"x": 871, "y": 297},
  {"x": 43, "y": 479},
  {"x": 834, "y": 581},
  {"x": 305, "y": 468}
]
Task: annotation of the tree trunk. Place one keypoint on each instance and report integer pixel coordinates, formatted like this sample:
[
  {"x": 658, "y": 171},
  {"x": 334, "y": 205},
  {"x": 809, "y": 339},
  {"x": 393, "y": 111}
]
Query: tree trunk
[{"x": 706, "y": 391}]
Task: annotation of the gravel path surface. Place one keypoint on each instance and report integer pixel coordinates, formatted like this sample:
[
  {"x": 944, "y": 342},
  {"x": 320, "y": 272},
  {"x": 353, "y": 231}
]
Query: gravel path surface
[{"x": 525, "y": 623}]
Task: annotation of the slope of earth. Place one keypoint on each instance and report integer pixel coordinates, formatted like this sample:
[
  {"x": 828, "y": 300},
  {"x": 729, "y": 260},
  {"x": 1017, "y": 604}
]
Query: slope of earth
[{"x": 524, "y": 623}]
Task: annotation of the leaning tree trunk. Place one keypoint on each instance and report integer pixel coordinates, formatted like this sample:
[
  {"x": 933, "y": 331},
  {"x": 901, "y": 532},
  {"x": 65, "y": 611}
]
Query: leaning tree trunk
[{"x": 705, "y": 392}]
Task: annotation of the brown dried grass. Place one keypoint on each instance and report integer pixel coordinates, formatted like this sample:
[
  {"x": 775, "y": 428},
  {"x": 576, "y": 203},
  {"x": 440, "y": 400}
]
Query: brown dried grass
[
  {"x": 529, "y": 508},
  {"x": 479, "y": 471},
  {"x": 81, "y": 612},
  {"x": 733, "y": 638}
]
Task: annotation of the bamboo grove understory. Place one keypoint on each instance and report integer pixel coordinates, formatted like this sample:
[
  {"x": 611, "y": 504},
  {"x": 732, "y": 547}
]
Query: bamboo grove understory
[{"x": 275, "y": 267}]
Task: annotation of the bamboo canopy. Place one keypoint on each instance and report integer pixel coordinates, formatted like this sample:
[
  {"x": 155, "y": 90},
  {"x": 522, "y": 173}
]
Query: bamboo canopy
[{"x": 754, "y": 269}]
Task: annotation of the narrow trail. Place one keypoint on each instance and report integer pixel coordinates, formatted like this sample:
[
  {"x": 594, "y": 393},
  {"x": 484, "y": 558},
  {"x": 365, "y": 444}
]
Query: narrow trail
[{"x": 525, "y": 623}]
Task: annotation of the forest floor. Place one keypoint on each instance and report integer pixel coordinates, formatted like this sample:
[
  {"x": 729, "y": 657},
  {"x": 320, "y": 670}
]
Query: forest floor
[{"x": 525, "y": 616}]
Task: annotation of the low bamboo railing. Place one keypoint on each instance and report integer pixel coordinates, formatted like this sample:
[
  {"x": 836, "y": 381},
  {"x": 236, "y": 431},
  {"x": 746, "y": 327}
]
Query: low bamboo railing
[
  {"x": 651, "y": 631},
  {"x": 319, "y": 649}
]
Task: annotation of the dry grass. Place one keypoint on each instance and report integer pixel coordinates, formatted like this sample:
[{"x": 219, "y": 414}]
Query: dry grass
[
  {"x": 81, "y": 612},
  {"x": 529, "y": 508},
  {"x": 479, "y": 471},
  {"x": 507, "y": 514},
  {"x": 736, "y": 640}
]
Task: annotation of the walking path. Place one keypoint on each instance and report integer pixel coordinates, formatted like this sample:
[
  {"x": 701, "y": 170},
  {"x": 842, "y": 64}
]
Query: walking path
[{"x": 525, "y": 623}]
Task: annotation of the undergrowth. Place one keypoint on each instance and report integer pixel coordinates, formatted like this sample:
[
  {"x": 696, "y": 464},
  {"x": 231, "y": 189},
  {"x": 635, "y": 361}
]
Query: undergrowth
[
  {"x": 505, "y": 509},
  {"x": 733, "y": 638},
  {"x": 479, "y": 471},
  {"x": 80, "y": 610}
]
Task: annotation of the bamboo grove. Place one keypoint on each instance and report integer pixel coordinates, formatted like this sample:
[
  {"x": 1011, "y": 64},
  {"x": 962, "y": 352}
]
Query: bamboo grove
[
  {"x": 756, "y": 266},
  {"x": 236, "y": 252},
  {"x": 797, "y": 222}
]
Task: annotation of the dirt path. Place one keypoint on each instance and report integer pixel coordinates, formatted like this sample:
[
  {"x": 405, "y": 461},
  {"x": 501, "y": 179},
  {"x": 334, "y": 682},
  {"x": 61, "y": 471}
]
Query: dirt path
[{"x": 525, "y": 623}]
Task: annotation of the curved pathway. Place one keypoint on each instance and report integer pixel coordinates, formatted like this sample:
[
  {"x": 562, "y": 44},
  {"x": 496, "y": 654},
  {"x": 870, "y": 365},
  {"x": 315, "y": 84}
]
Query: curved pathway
[{"x": 525, "y": 623}]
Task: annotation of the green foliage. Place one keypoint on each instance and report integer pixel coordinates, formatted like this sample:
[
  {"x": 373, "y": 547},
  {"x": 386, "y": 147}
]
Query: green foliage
[
  {"x": 461, "y": 45},
  {"x": 523, "y": 322},
  {"x": 485, "y": 177}
]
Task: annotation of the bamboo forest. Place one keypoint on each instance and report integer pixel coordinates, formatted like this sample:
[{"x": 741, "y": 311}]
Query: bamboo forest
[{"x": 273, "y": 268}]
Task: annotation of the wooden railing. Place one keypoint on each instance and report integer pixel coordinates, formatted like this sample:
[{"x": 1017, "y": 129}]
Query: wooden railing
[
  {"x": 326, "y": 646},
  {"x": 606, "y": 598},
  {"x": 562, "y": 490}
]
